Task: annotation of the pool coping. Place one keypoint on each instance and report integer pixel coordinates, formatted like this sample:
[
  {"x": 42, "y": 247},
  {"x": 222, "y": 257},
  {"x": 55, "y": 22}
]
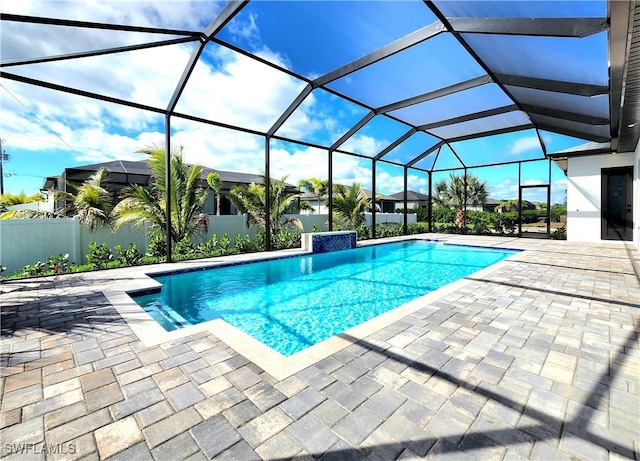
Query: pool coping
[{"x": 151, "y": 333}]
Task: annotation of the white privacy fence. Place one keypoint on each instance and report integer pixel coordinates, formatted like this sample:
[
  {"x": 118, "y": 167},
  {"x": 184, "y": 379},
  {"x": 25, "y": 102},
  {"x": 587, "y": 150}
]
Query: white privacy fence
[{"x": 26, "y": 241}]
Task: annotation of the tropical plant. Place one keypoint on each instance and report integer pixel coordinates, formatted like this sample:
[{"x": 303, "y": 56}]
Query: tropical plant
[
  {"x": 29, "y": 214},
  {"x": 251, "y": 199},
  {"x": 90, "y": 201},
  {"x": 215, "y": 183},
  {"x": 9, "y": 199},
  {"x": 457, "y": 191},
  {"x": 508, "y": 205},
  {"x": 319, "y": 187},
  {"x": 99, "y": 256},
  {"x": 349, "y": 205},
  {"x": 148, "y": 205}
]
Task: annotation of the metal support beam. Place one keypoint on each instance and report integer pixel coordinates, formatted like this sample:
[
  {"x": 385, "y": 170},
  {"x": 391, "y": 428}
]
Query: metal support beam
[
  {"x": 403, "y": 43},
  {"x": 292, "y": 107},
  {"x": 373, "y": 198},
  {"x": 363, "y": 121},
  {"x": 469, "y": 117},
  {"x": 330, "y": 189},
  {"x": 510, "y": 129},
  {"x": 167, "y": 186},
  {"x": 405, "y": 201},
  {"x": 100, "y": 52},
  {"x": 556, "y": 86},
  {"x": 86, "y": 94},
  {"x": 96, "y": 25},
  {"x": 539, "y": 27},
  {"x": 466, "y": 85},
  {"x": 573, "y": 133},
  {"x": 430, "y": 201},
  {"x": 425, "y": 153},
  {"x": 564, "y": 115},
  {"x": 619, "y": 42},
  {"x": 395, "y": 144},
  {"x": 267, "y": 193}
]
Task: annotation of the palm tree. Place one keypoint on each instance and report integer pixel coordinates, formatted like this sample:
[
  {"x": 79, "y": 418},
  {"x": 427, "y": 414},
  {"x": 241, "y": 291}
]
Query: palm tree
[
  {"x": 251, "y": 199},
  {"x": 319, "y": 187},
  {"x": 452, "y": 193},
  {"x": 148, "y": 206},
  {"x": 91, "y": 202},
  {"x": 215, "y": 183},
  {"x": 349, "y": 205}
]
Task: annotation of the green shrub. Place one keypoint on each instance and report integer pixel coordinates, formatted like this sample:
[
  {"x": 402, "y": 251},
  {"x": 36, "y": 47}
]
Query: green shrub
[
  {"x": 480, "y": 221},
  {"x": 157, "y": 245},
  {"x": 243, "y": 245},
  {"x": 59, "y": 264},
  {"x": 209, "y": 247},
  {"x": 417, "y": 228},
  {"x": 224, "y": 244},
  {"x": 506, "y": 223},
  {"x": 443, "y": 215},
  {"x": 286, "y": 237},
  {"x": 99, "y": 256},
  {"x": 363, "y": 232},
  {"x": 129, "y": 256},
  {"x": 185, "y": 249},
  {"x": 560, "y": 233},
  {"x": 32, "y": 270}
]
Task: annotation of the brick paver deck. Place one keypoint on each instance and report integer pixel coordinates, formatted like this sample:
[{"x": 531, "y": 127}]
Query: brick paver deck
[{"x": 536, "y": 360}]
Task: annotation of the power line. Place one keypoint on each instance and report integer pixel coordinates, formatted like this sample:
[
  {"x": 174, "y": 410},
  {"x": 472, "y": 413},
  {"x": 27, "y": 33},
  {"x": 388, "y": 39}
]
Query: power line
[{"x": 44, "y": 124}]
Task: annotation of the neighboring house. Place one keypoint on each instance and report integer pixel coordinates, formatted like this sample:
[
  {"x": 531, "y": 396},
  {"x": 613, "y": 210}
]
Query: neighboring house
[
  {"x": 414, "y": 200},
  {"x": 125, "y": 172},
  {"x": 386, "y": 203}
]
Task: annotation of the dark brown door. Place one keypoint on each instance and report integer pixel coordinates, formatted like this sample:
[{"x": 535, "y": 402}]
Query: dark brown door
[{"x": 617, "y": 203}]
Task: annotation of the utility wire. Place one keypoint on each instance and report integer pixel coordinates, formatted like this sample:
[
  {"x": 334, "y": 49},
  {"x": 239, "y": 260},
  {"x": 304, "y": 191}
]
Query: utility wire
[{"x": 44, "y": 124}]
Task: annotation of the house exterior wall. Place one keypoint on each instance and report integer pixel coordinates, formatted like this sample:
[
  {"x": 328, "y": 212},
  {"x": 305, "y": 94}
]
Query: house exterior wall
[{"x": 584, "y": 201}]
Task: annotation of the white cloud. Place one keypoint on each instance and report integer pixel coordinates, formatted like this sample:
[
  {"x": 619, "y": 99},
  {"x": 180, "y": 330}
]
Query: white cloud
[{"x": 524, "y": 145}]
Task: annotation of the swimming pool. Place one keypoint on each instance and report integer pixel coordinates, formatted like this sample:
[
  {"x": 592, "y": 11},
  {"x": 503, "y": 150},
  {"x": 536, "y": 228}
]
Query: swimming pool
[{"x": 292, "y": 303}]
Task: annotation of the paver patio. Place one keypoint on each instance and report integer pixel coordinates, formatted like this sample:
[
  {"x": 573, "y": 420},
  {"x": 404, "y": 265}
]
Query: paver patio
[{"x": 537, "y": 359}]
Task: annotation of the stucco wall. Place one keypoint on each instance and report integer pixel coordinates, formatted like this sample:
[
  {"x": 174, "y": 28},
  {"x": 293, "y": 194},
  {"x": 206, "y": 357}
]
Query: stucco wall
[{"x": 584, "y": 194}]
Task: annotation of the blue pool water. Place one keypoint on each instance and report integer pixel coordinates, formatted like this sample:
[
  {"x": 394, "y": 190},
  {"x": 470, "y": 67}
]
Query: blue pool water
[{"x": 292, "y": 303}]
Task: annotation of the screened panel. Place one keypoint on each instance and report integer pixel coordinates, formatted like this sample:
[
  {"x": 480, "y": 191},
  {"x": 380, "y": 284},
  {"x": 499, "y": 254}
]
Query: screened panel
[
  {"x": 374, "y": 136},
  {"x": 349, "y": 169},
  {"x": 418, "y": 183},
  {"x": 327, "y": 34},
  {"x": 480, "y": 98},
  {"x": 503, "y": 148},
  {"x": 171, "y": 14},
  {"x": 501, "y": 183},
  {"x": 44, "y": 139},
  {"x": 217, "y": 147},
  {"x": 230, "y": 88},
  {"x": 89, "y": 74},
  {"x": 581, "y": 60},
  {"x": 411, "y": 148},
  {"x": 411, "y": 72},
  {"x": 589, "y": 131},
  {"x": 322, "y": 119},
  {"x": 427, "y": 162},
  {"x": 555, "y": 142},
  {"x": 495, "y": 122},
  {"x": 446, "y": 160},
  {"x": 535, "y": 173},
  {"x": 593, "y": 105},
  {"x": 523, "y": 9},
  {"x": 17, "y": 41},
  {"x": 389, "y": 181},
  {"x": 297, "y": 161}
]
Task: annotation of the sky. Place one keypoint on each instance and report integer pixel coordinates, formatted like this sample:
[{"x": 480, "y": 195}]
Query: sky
[{"x": 44, "y": 131}]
